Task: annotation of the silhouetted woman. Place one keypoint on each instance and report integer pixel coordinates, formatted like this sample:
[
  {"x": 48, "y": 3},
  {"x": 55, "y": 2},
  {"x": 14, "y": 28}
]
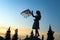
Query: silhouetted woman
[{"x": 36, "y": 22}]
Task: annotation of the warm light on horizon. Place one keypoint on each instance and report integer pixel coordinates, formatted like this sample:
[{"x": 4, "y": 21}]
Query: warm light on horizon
[{"x": 22, "y": 32}]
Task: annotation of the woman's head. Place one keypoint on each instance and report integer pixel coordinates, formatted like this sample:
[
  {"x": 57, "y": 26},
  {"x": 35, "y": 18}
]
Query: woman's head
[{"x": 38, "y": 12}]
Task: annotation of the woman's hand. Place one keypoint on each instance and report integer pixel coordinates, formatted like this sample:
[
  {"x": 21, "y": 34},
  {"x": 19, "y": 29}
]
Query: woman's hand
[{"x": 32, "y": 13}]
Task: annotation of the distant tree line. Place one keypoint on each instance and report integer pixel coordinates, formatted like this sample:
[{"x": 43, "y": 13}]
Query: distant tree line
[{"x": 31, "y": 37}]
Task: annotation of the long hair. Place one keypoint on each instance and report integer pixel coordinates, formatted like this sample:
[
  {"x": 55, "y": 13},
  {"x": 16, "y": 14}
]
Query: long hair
[{"x": 39, "y": 14}]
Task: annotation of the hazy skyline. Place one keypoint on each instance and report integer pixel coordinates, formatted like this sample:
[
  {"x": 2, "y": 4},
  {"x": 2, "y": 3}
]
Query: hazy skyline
[
  {"x": 22, "y": 32},
  {"x": 50, "y": 10}
]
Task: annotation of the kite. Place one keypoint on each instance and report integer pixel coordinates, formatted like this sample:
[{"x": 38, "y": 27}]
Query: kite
[{"x": 26, "y": 13}]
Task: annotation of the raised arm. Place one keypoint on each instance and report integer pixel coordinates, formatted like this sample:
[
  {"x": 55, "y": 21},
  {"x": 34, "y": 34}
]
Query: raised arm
[{"x": 32, "y": 14}]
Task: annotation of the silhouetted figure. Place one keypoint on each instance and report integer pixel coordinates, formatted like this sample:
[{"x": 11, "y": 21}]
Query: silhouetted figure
[
  {"x": 36, "y": 22},
  {"x": 50, "y": 34},
  {"x": 8, "y": 36},
  {"x": 32, "y": 34},
  {"x": 32, "y": 37},
  {"x": 42, "y": 37},
  {"x": 27, "y": 38},
  {"x": 15, "y": 37}
]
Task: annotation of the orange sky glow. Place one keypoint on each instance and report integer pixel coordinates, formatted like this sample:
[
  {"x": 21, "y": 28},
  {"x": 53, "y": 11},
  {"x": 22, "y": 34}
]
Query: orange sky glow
[{"x": 22, "y": 32}]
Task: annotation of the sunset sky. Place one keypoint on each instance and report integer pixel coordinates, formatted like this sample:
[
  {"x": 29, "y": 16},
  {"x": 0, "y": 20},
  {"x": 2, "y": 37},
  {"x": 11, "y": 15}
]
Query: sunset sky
[{"x": 10, "y": 13}]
